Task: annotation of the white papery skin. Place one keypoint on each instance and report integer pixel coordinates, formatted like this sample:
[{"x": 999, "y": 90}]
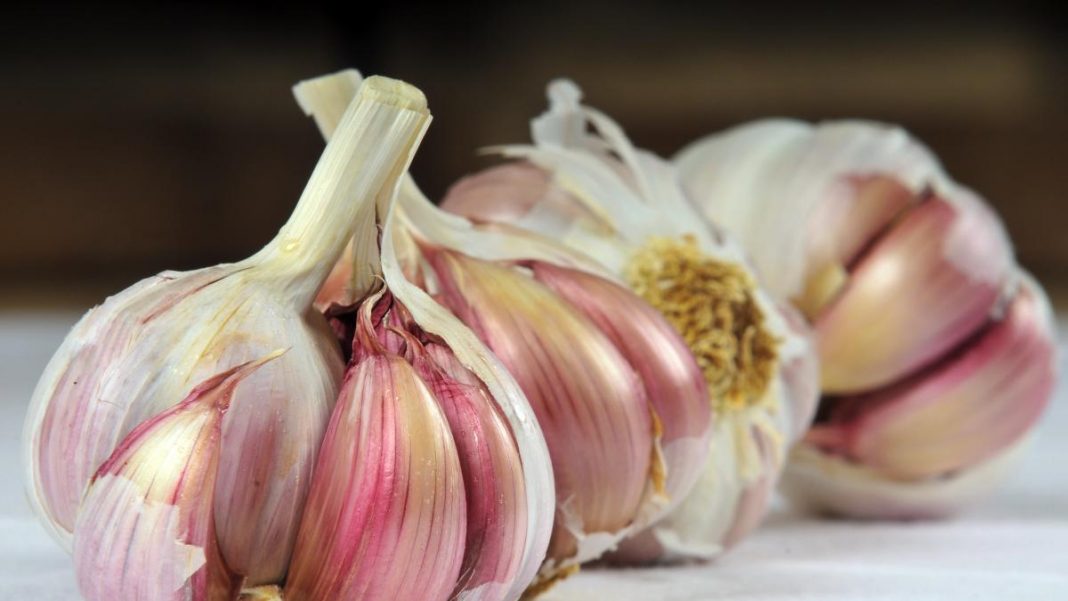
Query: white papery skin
[
  {"x": 321, "y": 98},
  {"x": 147, "y": 529},
  {"x": 598, "y": 194},
  {"x": 905, "y": 275},
  {"x": 141, "y": 351},
  {"x": 112, "y": 380}
]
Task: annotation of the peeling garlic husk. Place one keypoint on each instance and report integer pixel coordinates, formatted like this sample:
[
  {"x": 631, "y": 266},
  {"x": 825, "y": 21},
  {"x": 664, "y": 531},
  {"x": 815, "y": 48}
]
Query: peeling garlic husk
[
  {"x": 154, "y": 496},
  {"x": 623, "y": 207},
  {"x": 138, "y": 355},
  {"x": 909, "y": 281}
]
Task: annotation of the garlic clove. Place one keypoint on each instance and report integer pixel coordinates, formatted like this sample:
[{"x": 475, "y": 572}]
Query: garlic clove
[
  {"x": 589, "y": 402},
  {"x": 502, "y": 193},
  {"x": 268, "y": 455},
  {"x": 138, "y": 354},
  {"x": 492, "y": 471},
  {"x": 385, "y": 517},
  {"x": 960, "y": 412},
  {"x": 925, "y": 286},
  {"x": 146, "y": 529},
  {"x": 674, "y": 383},
  {"x": 849, "y": 223},
  {"x": 853, "y": 220}
]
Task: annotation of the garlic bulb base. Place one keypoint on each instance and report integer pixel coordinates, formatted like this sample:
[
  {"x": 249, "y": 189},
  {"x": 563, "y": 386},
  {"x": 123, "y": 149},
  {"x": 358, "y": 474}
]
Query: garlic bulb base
[{"x": 711, "y": 303}]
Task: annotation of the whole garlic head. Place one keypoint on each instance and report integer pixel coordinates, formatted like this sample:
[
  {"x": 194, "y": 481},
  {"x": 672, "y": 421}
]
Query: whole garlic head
[
  {"x": 141, "y": 352},
  {"x": 920, "y": 312}
]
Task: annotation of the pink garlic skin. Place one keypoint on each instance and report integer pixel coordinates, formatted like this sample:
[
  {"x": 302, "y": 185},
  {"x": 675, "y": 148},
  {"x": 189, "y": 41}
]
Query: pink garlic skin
[
  {"x": 589, "y": 402},
  {"x": 799, "y": 386},
  {"x": 270, "y": 440},
  {"x": 910, "y": 299},
  {"x": 503, "y": 193},
  {"x": 673, "y": 382},
  {"x": 492, "y": 471},
  {"x": 67, "y": 463},
  {"x": 146, "y": 531},
  {"x": 959, "y": 412},
  {"x": 385, "y": 517}
]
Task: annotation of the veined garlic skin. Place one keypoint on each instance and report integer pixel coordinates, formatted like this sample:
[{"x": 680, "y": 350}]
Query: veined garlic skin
[
  {"x": 910, "y": 284},
  {"x": 600, "y": 196},
  {"x": 492, "y": 470},
  {"x": 594, "y": 395},
  {"x": 139, "y": 353},
  {"x": 386, "y": 512},
  {"x": 154, "y": 494}
]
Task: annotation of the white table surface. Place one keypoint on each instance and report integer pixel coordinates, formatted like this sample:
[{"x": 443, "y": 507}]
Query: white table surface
[{"x": 1013, "y": 547}]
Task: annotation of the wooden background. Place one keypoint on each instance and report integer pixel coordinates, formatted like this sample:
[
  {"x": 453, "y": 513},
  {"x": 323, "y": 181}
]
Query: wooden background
[{"x": 141, "y": 138}]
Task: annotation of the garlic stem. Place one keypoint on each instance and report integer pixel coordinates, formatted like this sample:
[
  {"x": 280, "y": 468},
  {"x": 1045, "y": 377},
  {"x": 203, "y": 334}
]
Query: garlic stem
[
  {"x": 324, "y": 98},
  {"x": 345, "y": 184}
]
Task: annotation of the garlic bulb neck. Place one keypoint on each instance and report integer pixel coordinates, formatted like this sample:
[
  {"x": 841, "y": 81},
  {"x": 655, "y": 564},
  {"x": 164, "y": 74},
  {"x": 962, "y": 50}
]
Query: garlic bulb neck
[{"x": 343, "y": 189}]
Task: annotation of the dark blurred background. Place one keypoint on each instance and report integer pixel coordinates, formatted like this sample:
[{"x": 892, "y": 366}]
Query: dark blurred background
[{"x": 137, "y": 138}]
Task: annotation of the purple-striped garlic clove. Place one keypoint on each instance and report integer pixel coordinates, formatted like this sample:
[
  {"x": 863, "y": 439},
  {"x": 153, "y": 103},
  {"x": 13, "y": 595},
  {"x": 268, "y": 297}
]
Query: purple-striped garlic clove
[
  {"x": 674, "y": 384},
  {"x": 386, "y": 514},
  {"x": 492, "y": 472},
  {"x": 589, "y": 402},
  {"x": 922, "y": 288},
  {"x": 960, "y": 412},
  {"x": 146, "y": 528}
]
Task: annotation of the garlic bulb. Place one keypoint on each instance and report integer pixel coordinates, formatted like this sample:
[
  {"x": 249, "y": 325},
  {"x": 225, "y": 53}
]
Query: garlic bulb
[
  {"x": 140, "y": 353},
  {"x": 936, "y": 350},
  {"x": 598, "y": 195}
]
